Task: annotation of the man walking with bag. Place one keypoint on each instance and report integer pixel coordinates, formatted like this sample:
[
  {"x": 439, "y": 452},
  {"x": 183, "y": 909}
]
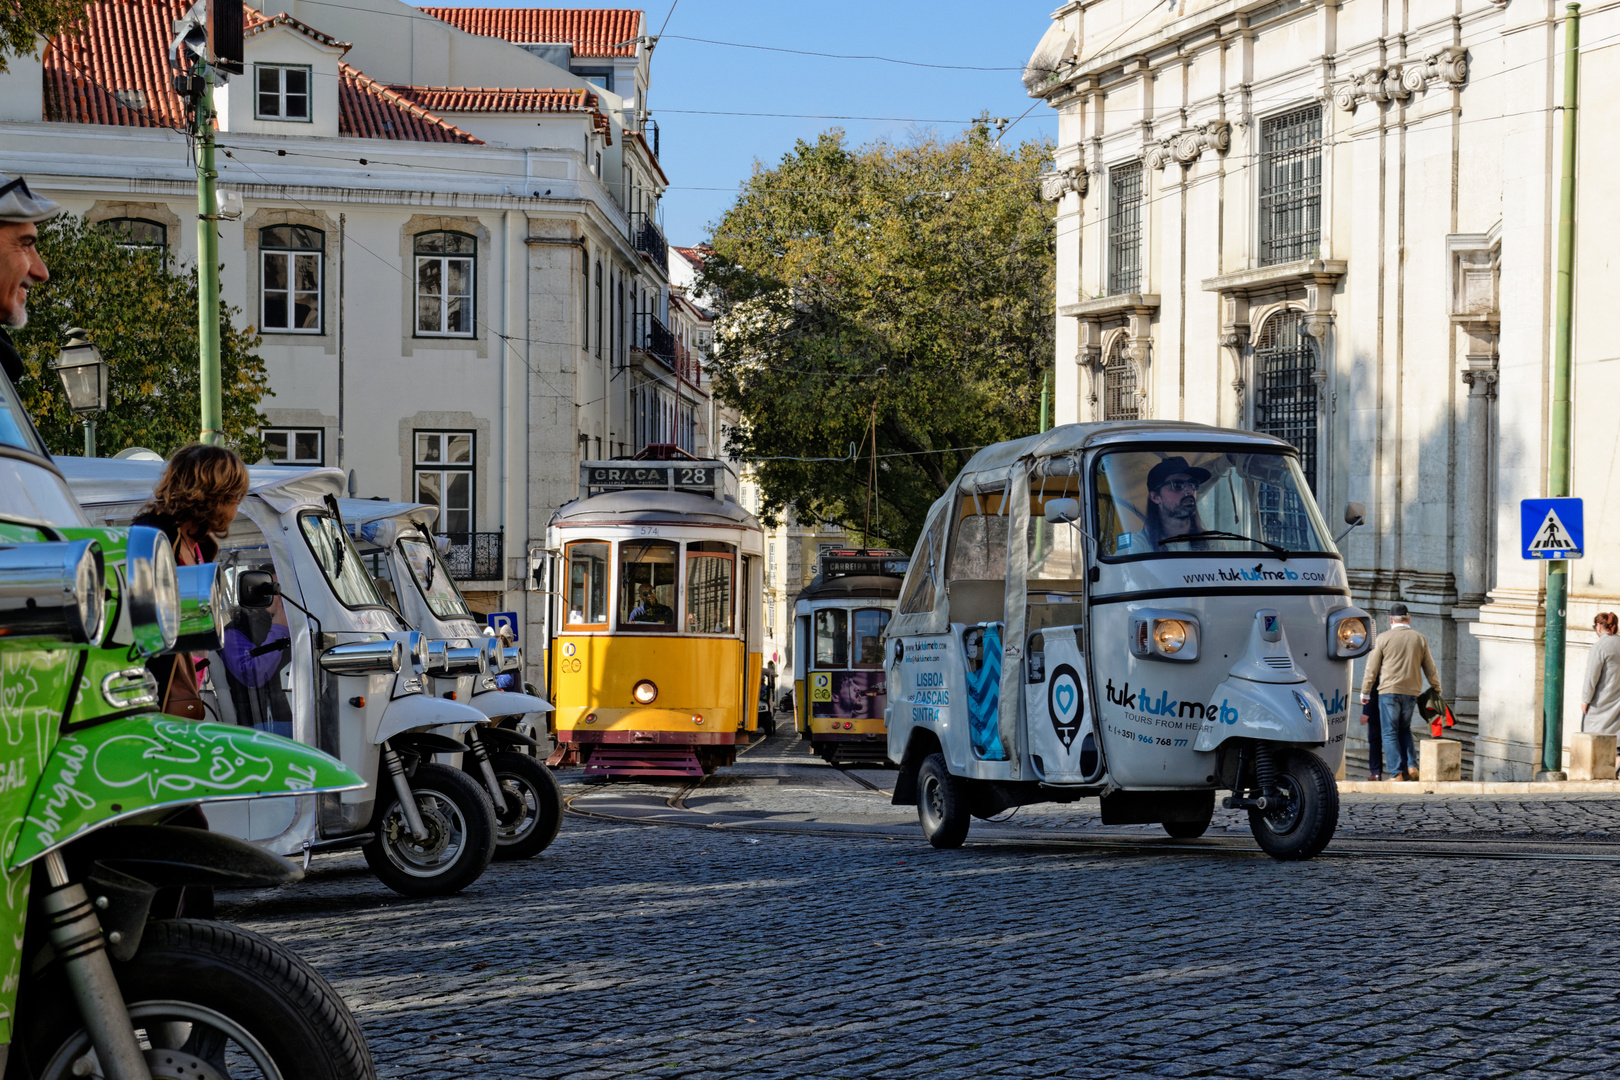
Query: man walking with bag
[{"x": 1399, "y": 663}]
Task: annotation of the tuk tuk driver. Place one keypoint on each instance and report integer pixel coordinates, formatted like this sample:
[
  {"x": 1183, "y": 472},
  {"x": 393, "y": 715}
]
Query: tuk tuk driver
[{"x": 1172, "y": 507}]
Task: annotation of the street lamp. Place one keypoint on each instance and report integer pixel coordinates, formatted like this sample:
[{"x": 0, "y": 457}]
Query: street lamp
[{"x": 84, "y": 377}]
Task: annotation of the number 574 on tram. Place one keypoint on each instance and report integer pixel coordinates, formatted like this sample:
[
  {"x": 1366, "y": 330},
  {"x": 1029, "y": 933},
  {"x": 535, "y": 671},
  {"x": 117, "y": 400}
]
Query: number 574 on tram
[{"x": 654, "y": 619}]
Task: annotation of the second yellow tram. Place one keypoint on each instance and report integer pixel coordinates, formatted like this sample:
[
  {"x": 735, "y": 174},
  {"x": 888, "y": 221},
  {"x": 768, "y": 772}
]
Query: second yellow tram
[
  {"x": 654, "y": 625},
  {"x": 839, "y": 621}
]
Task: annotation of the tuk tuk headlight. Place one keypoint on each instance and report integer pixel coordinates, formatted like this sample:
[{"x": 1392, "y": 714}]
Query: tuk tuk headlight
[
  {"x": 1349, "y": 633},
  {"x": 365, "y": 657},
  {"x": 645, "y": 692},
  {"x": 53, "y": 589},
  {"x": 203, "y": 610},
  {"x": 511, "y": 657},
  {"x": 1169, "y": 635},
  {"x": 1158, "y": 634},
  {"x": 153, "y": 590},
  {"x": 468, "y": 660}
]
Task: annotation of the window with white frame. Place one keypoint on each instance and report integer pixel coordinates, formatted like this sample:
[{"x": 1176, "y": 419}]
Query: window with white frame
[
  {"x": 283, "y": 91},
  {"x": 446, "y": 270},
  {"x": 294, "y": 446},
  {"x": 291, "y": 259},
  {"x": 444, "y": 476}
]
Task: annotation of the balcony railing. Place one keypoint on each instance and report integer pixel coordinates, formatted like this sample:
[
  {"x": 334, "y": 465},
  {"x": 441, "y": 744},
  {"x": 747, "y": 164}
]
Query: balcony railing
[
  {"x": 475, "y": 556},
  {"x": 688, "y": 364},
  {"x": 649, "y": 239},
  {"x": 654, "y": 338}
]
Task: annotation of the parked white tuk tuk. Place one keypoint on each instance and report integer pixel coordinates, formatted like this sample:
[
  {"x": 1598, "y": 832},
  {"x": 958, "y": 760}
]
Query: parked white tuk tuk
[
  {"x": 329, "y": 664},
  {"x": 405, "y": 561},
  {"x": 1172, "y": 617}
]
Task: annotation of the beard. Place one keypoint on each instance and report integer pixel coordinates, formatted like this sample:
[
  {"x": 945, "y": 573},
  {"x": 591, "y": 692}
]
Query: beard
[
  {"x": 17, "y": 319},
  {"x": 1182, "y": 511}
]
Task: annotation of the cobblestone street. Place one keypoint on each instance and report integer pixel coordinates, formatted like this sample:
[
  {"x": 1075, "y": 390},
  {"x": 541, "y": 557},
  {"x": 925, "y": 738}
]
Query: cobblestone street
[{"x": 630, "y": 949}]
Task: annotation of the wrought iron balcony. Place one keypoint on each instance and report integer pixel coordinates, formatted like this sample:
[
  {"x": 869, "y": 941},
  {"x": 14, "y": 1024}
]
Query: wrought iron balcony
[
  {"x": 654, "y": 338},
  {"x": 649, "y": 240},
  {"x": 475, "y": 556}
]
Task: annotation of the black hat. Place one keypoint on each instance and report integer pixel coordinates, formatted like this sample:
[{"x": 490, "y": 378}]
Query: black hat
[
  {"x": 1167, "y": 468},
  {"x": 1397, "y": 610}
]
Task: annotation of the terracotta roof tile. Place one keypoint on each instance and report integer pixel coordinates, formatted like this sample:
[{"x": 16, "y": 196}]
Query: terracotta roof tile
[
  {"x": 113, "y": 68},
  {"x": 591, "y": 31},
  {"x": 504, "y": 100}
]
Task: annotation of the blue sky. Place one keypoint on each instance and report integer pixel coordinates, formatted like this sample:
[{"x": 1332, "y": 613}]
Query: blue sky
[{"x": 707, "y": 156}]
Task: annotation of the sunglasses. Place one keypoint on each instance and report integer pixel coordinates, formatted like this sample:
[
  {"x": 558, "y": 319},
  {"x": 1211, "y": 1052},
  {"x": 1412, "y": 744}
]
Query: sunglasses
[{"x": 1179, "y": 485}]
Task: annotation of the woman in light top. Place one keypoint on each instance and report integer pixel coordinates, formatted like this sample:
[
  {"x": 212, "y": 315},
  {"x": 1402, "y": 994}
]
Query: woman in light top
[{"x": 1600, "y": 696}]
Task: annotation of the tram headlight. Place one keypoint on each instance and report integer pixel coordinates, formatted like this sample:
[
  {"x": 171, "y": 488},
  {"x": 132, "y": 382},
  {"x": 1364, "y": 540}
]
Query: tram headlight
[
  {"x": 644, "y": 692},
  {"x": 1349, "y": 633},
  {"x": 1159, "y": 634},
  {"x": 1169, "y": 635}
]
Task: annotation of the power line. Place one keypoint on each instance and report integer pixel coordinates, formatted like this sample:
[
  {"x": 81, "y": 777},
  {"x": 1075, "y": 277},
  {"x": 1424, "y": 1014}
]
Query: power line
[{"x": 842, "y": 56}]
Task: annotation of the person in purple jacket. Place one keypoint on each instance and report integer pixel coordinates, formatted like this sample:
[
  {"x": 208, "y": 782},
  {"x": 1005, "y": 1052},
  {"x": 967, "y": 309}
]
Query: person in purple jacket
[{"x": 256, "y": 647}]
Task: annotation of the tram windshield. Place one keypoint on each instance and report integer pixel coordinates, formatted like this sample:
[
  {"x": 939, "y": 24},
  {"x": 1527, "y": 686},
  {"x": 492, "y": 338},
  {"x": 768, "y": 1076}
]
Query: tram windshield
[
  {"x": 1162, "y": 502},
  {"x": 832, "y": 638},
  {"x": 867, "y": 633},
  {"x": 709, "y": 567},
  {"x": 587, "y": 584},
  {"x": 647, "y": 571},
  {"x": 339, "y": 561},
  {"x": 433, "y": 578}
]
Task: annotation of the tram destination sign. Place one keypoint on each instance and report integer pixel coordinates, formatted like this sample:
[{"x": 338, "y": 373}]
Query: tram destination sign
[{"x": 636, "y": 476}]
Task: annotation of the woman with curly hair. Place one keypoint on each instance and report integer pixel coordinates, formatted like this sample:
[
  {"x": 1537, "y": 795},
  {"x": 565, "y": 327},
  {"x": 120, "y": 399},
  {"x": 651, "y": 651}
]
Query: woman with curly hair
[{"x": 194, "y": 504}]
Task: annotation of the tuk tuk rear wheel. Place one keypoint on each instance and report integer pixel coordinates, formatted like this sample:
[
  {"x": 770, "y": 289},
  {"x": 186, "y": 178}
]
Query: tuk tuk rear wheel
[
  {"x": 1302, "y": 827},
  {"x": 460, "y": 821},
  {"x": 1192, "y": 830},
  {"x": 942, "y": 804}
]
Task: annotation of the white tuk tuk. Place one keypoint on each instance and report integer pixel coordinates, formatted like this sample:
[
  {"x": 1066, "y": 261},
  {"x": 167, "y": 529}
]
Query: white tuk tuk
[
  {"x": 405, "y": 561},
  {"x": 328, "y": 663},
  {"x": 1171, "y": 617}
]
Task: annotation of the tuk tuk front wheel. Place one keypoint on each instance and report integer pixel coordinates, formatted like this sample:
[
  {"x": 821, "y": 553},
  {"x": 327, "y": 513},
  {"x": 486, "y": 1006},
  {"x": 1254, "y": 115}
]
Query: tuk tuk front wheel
[
  {"x": 529, "y": 821},
  {"x": 460, "y": 838},
  {"x": 942, "y": 803},
  {"x": 1302, "y": 826}
]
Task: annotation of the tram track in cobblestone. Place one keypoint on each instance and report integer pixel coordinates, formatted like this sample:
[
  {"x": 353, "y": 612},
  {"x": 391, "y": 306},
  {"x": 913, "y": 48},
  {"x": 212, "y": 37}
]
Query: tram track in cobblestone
[{"x": 1493, "y": 848}]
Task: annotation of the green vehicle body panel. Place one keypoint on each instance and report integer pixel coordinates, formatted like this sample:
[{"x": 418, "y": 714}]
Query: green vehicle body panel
[{"x": 71, "y": 762}]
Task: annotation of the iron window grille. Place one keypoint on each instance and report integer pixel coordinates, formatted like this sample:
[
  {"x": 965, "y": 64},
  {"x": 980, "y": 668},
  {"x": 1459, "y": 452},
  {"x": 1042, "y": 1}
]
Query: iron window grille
[
  {"x": 1125, "y": 229},
  {"x": 446, "y": 272},
  {"x": 1291, "y": 186},
  {"x": 1120, "y": 400},
  {"x": 283, "y": 92},
  {"x": 291, "y": 262},
  {"x": 474, "y": 556},
  {"x": 1285, "y": 397}
]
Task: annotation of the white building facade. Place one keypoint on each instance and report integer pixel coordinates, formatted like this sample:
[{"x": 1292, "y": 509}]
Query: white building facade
[
  {"x": 452, "y": 278},
  {"x": 1337, "y": 223}
]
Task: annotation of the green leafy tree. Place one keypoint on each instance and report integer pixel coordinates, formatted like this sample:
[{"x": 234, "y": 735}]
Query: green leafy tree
[
  {"x": 23, "y": 22},
  {"x": 903, "y": 287},
  {"x": 142, "y": 315}
]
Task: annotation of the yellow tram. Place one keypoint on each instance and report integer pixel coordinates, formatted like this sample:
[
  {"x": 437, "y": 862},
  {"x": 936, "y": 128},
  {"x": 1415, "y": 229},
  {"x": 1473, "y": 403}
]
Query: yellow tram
[
  {"x": 654, "y": 619},
  {"x": 839, "y": 621}
]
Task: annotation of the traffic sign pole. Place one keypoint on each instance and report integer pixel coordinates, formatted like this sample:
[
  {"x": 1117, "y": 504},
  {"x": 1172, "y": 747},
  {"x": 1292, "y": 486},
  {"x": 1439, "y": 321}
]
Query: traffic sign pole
[{"x": 1552, "y": 701}]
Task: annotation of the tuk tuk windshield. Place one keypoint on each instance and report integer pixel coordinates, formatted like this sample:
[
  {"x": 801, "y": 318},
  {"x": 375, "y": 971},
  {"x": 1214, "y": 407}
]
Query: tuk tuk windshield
[
  {"x": 1165, "y": 502},
  {"x": 433, "y": 578},
  {"x": 339, "y": 561}
]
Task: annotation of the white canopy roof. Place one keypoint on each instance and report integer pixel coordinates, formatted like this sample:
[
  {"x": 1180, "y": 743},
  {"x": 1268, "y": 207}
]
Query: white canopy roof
[
  {"x": 108, "y": 481},
  {"x": 1074, "y": 437},
  {"x": 364, "y": 511}
]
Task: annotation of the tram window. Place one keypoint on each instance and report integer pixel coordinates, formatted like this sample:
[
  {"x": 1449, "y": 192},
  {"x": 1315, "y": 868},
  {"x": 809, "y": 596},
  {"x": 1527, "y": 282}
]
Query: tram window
[
  {"x": 647, "y": 584},
  {"x": 868, "y": 635},
  {"x": 832, "y": 638},
  {"x": 587, "y": 584},
  {"x": 708, "y": 587}
]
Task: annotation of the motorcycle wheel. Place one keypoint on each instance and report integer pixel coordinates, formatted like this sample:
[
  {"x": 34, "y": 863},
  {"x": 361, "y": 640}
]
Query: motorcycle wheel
[
  {"x": 461, "y": 835},
  {"x": 942, "y": 804},
  {"x": 1302, "y": 827},
  {"x": 213, "y": 1001},
  {"x": 529, "y": 821}
]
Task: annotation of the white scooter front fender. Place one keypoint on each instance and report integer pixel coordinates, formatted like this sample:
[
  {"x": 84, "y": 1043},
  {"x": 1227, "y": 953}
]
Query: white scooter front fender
[
  {"x": 1274, "y": 712},
  {"x": 506, "y": 703},
  {"x": 420, "y": 711}
]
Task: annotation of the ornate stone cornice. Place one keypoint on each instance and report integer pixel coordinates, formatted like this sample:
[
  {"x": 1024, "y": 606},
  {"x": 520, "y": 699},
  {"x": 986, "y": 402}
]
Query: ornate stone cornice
[
  {"x": 1187, "y": 146},
  {"x": 1398, "y": 82}
]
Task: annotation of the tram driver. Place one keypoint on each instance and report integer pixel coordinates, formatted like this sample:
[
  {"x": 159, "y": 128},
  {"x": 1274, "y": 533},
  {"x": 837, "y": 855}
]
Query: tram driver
[
  {"x": 649, "y": 609},
  {"x": 1172, "y": 507}
]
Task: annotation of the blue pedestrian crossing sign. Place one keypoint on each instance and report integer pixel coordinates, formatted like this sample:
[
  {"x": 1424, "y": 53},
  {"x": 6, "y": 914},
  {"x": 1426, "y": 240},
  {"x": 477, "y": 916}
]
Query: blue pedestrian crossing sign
[
  {"x": 1552, "y": 528},
  {"x": 508, "y": 619}
]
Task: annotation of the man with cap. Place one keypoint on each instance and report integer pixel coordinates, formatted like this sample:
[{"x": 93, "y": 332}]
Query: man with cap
[
  {"x": 1172, "y": 506},
  {"x": 1396, "y": 668},
  {"x": 21, "y": 268}
]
